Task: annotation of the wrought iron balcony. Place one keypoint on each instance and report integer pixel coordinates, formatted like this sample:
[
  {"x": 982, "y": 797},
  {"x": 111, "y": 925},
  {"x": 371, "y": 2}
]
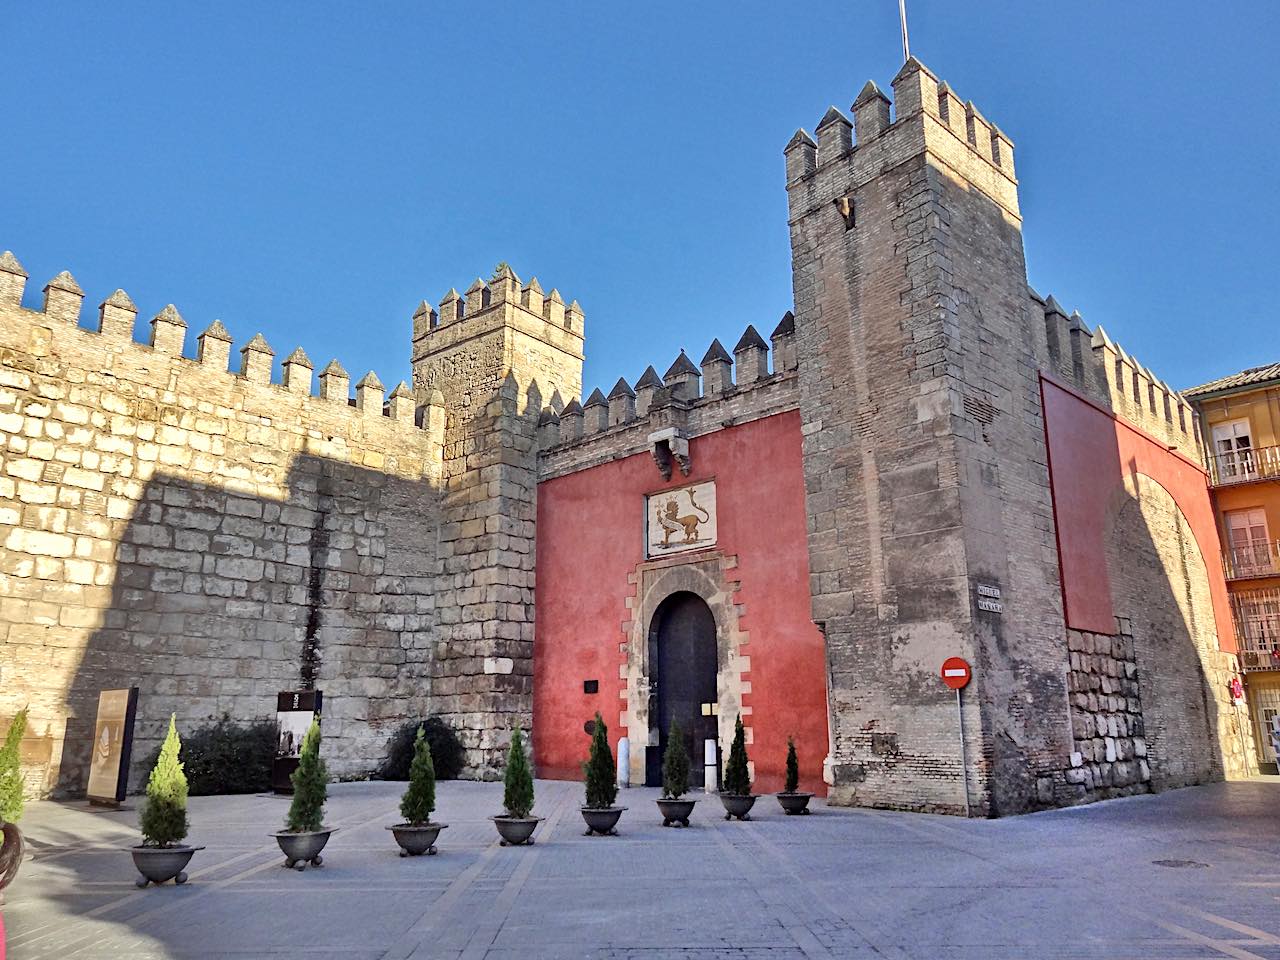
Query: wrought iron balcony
[
  {"x": 1257, "y": 619},
  {"x": 1257, "y": 558},
  {"x": 1245, "y": 466}
]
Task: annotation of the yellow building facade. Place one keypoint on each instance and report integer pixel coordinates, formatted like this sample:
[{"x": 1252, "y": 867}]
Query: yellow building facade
[{"x": 1240, "y": 426}]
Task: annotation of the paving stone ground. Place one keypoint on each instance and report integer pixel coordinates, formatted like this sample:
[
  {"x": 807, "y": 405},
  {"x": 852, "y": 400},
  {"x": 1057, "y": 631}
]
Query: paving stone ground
[{"x": 1186, "y": 874}]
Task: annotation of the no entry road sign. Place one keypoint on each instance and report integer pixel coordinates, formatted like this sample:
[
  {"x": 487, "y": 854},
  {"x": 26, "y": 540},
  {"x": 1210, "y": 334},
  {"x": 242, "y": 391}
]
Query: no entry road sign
[{"x": 956, "y": 672}]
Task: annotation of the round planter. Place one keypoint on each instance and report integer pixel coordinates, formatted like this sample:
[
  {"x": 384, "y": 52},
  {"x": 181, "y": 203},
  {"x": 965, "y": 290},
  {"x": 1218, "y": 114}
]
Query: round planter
[
  {"x": 737, "y": 805},
  {"x": 415, "y": 841},
  {"x": 602, "y": 820},
  {"x": 299, "y": 849},
  {"x": 158, "y": 864},
  {"x": 675, "y": 811},
  {"x": 794, "y": 803},
  {"x": 516, "y": 830}
]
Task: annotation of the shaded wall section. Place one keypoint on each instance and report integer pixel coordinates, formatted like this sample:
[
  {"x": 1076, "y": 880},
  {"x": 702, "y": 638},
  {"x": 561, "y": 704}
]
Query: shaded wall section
[{"x": 591, "y": 565}]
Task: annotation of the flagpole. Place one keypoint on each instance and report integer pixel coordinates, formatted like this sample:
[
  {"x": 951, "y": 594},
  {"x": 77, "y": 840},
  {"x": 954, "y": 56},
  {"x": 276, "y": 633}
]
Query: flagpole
[{"x": 902, "y": 17}]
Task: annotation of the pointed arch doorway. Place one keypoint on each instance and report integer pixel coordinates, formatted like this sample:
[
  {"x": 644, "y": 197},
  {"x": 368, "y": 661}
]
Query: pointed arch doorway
[{"x": 684, "y": 663}]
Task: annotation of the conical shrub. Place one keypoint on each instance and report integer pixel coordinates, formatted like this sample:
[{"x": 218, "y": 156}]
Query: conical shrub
[
  {"x": 675, "y": 765},
  {"x": 164, "y": 818},
  {"x": 737, "y": 780},
  {"x": 419, "y": 801},
  {"x": 517, "y": 783},
  {"x": 793, "y": 768},
  {"x": 310, "y": 785},
  {"x": 11, "y": 770},
  {"x": 601, "y": 773}
]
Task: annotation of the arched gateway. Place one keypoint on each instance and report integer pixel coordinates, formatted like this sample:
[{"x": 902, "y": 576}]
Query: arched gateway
[{"x": 682, "y": 684}]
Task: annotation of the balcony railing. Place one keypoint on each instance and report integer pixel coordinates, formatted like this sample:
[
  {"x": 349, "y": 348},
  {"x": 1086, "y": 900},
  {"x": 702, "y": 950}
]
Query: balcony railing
[
  {"x": 1245, "y": 466},
  {"x": 1256, "y": 558},
  {"x": 1257, "y": 618}
]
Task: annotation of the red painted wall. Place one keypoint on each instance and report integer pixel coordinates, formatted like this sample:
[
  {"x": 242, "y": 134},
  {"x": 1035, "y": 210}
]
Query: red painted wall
[
  {"x": 591, "y": 538},
  {"x": 1090, "y": 451}
]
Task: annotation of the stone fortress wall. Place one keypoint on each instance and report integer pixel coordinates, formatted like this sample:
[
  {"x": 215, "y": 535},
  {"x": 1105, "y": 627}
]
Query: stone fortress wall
[{"x": 213, "y": 537}]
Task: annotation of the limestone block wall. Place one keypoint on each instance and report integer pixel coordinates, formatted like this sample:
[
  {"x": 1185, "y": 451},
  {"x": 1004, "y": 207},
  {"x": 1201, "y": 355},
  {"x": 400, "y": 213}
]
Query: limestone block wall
[{"x": 211, "y": 537}]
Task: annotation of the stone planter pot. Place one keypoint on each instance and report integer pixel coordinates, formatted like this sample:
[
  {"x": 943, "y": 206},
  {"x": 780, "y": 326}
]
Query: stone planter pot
[
  {"x": 158, "y": 864},
  {"x": 415, "y": 841},
  {"x": 675, "y": 811},
  {"x": 737, "y": 805},
  {"x": 602, "y": 820},
  {"x": 515, "y": 830},
  {"x": 794, "y": 803},
  {"x": 302, "y": 848}
]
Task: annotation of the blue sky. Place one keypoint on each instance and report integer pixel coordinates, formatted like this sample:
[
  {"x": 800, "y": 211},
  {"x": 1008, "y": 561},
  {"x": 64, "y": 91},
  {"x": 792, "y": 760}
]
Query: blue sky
[{"x": 312, "y": 171}]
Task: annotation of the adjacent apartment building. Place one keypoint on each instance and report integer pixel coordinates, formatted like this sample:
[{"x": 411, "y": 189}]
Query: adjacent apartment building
[{"x": 1240, "y": 421}]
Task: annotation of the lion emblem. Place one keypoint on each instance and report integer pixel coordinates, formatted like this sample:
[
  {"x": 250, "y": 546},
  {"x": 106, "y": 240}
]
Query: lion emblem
[{"x": 672, "y": 523}]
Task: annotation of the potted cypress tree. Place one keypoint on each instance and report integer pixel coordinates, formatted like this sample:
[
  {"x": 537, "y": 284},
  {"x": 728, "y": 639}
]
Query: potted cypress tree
[
  {"x": 11, "y": 845},
  {"x": 417, "y": 835},
  {"x": 736, "y": 795},
  {"x": 674, "y": 805},
  {"x": 602, "y": 785},
  {"x": 162, "y": 855},
  {"x": 304, "y": 837},
  {"x": 791, "y": 799},
  {"x": 516, "y": 825}
]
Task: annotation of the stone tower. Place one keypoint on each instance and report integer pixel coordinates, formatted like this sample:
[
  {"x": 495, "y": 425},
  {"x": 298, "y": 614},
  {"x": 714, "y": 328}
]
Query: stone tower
[
  {"x": 925, "y": 461},
  {"x": 487, "y": 363}
]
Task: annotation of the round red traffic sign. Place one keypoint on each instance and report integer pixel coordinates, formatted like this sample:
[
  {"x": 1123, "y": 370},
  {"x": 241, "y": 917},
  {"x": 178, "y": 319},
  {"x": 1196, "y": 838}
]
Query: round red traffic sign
[{"x": 956, "y": 672}]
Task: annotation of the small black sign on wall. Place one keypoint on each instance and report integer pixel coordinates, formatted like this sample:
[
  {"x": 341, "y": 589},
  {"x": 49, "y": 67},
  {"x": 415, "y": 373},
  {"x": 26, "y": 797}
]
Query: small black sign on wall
[{"x": 590, "y": 686}]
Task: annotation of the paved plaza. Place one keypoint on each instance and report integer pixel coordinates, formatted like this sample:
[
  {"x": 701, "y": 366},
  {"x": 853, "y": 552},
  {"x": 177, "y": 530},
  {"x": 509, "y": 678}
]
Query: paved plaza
[{"x": 1190, "y": 873}]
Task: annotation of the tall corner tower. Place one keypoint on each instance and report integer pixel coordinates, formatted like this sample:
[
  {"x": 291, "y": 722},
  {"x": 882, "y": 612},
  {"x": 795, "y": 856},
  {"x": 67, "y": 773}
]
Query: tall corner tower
[
  {"x": 496, "y": 357},
  {"x": 925, "y": 462}
]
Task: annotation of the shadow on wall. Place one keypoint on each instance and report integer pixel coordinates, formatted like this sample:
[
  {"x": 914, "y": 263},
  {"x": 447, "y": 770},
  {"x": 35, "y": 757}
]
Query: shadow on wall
[
  {"x": 1160, "y": 591},
  {"x": 221, "y": 599}
]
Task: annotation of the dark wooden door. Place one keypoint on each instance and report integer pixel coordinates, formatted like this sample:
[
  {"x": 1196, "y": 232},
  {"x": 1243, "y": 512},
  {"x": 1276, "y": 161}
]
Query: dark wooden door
[{"x": 683, "y": 664}]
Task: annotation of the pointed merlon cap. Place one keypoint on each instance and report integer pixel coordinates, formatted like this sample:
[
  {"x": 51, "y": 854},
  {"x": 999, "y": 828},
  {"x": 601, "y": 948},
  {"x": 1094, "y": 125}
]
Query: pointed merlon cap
[
  {"x": 716, "y": 352},
  {"x": 121, "y": 299},
  {"x": 504, "y": 272},
  {"x": 554, "y": 296},
  {"x": 833, "y": 115},
  {"x": 216, "y": 330},
  {"x": 750, "y": 338},
  {"x": 370, "y": 381},
  {"x": 786, "y": 326},
  {"x": 912, "y": 66},
  {"x": 800, "y": 138},
  {"x": 683, "y": 365},
  {"x": 477, "y": 285},
  {"x": 65, "y": 281},
  {"x": 572, "y": 408},
  {"x": 548, "y": 416},
  {"x": 451, "y": 296},
  {"x": 649, "y": 378},
  {"x": 533, "y": 286},
  {"x": 333, "y": 369},
  {"x": 300, "y": 358},
  {"x": 257, "y": 345},
  {"x": 170, "y": 314},
  {"x": 402, "y": 391},
  {"x": 575, "y": 307},
  {"x": 869, "y": 92},
  {"x": 424, "y": 308},
  {"x": 1051, "y": 305},
  {"x": 1034, "y": 294},
  {"x": 1077, "y": 323},
  {"x": 1100, "y": 338},
  {"x": 9, "y": 264},
  {"x": 621, "y": 389},
  {"x": 436, "y": 399},
  {"x": 596, "y": 399}
]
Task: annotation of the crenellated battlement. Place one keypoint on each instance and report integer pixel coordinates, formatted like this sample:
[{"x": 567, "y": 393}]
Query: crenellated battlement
[
  {"x": 114, "y": 337},
  {"x": 1093, "y": 363},
  {"x": 502, "y": 300},
  {"x": 925, "y": 115},
  {"x": 722, "y": 389}
]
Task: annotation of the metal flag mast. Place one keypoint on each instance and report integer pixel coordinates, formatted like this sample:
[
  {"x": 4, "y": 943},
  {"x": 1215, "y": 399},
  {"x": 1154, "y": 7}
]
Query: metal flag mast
[{"x": 902, "y": 17}]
